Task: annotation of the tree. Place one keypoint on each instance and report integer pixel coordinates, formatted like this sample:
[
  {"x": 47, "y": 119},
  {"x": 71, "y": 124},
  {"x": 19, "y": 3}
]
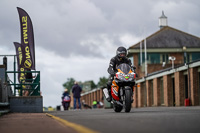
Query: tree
[
  {"x": 69, "y": 83},
  {"x": 102, "y": 81},
  {"x": 93, "y": 85},
  {"x": 88, "y": 85}
]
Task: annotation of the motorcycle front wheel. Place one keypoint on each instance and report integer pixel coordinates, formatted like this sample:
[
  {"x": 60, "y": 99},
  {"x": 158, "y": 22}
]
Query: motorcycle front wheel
[
  {"x": 128, "y": 100},
  {"x": 117, "y": 108},
  {"x": 66, "y": 105}
]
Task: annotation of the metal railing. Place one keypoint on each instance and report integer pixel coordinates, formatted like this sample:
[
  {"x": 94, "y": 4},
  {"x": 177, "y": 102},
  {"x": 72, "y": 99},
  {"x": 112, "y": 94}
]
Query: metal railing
[{"x": 34, "y": 84}]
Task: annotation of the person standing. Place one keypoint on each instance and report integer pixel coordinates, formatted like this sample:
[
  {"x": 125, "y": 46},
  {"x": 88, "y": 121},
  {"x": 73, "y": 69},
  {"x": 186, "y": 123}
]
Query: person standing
[
  {"x": 94, "y": 104},
  {"x": 76, "y": 90}
]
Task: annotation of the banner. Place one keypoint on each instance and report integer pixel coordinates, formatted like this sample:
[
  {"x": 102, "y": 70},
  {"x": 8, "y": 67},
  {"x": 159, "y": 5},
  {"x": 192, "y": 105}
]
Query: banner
[
  {"x": 21, "y": 76},
  {"x": 27, "y": 40}
]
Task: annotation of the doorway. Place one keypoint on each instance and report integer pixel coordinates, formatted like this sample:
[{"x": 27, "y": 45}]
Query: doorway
[
  {"x": 173, "y": 92},
  {"x": 161, "y": 92},
  {"x": 144, "y": 92},
  {"x": 186, "y": 86},
  {"x": 152, "y": 93},
  {"x": 199, "y": 88}
]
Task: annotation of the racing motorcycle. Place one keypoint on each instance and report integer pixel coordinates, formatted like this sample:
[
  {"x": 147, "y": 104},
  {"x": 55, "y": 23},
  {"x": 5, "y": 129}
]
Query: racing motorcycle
[
  {"x": 122, "y": 88},
  {"x": 66, "y": 102}
]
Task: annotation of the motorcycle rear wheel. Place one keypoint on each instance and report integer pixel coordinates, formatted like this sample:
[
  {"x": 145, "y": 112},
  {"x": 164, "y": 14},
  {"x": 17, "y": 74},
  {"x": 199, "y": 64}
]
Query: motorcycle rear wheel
[{"x": 127, "y": 100}]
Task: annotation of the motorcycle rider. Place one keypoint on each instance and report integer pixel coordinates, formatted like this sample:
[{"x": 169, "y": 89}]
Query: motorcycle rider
[
  {"x": 66, "y": 99},
  {"x": 120, "y": 58}
]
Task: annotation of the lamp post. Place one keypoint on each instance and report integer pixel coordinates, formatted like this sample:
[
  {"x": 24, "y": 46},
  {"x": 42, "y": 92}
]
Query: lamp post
[
  {"x": 145, "y": 55},
  {"x": 186, "y": 62},
  {"x": 172, "y": 58},
  {"x": 185, "y": 55}
]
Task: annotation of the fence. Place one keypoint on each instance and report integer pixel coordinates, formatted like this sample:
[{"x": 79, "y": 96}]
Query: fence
[{"x": 34, "y": 84}]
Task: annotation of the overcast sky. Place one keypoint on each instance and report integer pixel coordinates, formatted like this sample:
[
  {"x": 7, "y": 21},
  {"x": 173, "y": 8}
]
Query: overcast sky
[{"x": 77, "y": 38}]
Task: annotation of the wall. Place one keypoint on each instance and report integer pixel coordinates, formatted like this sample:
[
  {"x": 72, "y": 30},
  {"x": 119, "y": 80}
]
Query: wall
[
  {"x": 179, "y": 94},
  {"x": 89, "y": 97},
  {"x": 140, "y": 70},
  {"x": 30, "y": 104}
]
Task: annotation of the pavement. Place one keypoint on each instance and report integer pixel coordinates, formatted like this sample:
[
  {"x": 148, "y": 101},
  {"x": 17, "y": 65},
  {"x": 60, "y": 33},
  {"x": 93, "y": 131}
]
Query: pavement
[
  {"x": 143, "y": 120},
  {"x": 32, "y": 123},
  {"x": 139, "y": 120}
]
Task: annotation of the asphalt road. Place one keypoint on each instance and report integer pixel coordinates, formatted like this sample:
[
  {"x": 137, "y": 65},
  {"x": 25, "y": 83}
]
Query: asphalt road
[{"x": 139, "y": 120}]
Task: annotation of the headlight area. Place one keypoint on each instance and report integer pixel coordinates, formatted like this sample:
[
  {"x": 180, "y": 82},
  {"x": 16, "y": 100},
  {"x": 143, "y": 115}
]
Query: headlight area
[{"x": 123, "y": 77}]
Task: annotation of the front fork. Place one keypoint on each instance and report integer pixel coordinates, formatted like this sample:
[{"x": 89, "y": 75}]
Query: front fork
[
  {"x": 106, "y": 92},
  {"x": 122, "y": 93}
]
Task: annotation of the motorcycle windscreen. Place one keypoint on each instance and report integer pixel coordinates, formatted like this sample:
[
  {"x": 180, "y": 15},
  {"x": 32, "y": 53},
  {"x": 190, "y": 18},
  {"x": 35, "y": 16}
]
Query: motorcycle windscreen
[
  {"x": 67, "y": 99},
  {"x": 125, "y": 68}
]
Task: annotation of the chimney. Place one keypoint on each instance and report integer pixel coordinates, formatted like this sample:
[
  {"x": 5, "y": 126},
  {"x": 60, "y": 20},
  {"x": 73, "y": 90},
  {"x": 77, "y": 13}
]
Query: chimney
[{"x": 162, "y": 20}]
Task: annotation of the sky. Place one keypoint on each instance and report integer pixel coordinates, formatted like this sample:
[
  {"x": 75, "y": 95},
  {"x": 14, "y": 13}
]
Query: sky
[{"x": 77, "y": 38}]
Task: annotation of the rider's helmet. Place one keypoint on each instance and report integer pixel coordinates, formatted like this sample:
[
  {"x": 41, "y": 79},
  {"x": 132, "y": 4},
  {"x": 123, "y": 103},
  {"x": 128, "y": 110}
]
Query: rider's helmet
[{"x": 121, "y": 52}]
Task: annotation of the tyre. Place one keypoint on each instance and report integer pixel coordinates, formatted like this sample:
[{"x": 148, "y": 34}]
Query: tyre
[
  {"x": 66, "y": 106},
  {"x": 128, "y": 100},
  {"x": 117, "y": 108}
]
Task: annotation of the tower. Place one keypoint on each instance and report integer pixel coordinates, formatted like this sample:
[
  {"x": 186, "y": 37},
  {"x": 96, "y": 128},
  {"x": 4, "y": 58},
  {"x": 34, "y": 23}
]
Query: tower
[{"x": 162, "y": 20}]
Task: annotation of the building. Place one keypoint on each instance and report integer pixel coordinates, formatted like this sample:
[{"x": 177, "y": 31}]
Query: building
[
  {"x": 171, "y": 74},
  {"x": 161, "y": 45}
]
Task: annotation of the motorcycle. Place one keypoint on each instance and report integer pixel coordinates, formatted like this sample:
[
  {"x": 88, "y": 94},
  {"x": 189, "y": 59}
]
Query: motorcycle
[
  {"x": 66, "y": 102},
  {"x": 122, "y": 88}
]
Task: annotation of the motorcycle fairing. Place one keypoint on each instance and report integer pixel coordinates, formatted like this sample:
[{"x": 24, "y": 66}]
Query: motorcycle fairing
[
  {"x": 115, "y": 90},
  {"x": 67, "y": 99},
  {"x": 123, "y": 74}
]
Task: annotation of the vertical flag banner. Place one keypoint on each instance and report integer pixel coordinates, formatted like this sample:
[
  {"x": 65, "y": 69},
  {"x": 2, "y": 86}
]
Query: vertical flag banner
[
  {"x": 27, "y": 40},
  {"x": 21, "y": 76}
]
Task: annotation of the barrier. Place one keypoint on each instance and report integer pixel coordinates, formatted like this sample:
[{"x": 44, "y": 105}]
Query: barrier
[{"x": 4, "y": 108}]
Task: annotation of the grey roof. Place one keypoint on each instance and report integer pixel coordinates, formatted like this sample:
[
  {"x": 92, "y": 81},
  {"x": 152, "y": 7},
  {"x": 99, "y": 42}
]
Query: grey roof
[{"x": 168, "y": 37}]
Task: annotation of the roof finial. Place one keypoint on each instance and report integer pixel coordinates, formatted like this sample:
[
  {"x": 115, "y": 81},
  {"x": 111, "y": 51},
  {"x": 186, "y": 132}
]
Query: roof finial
[{"x": 163, "y": 13}]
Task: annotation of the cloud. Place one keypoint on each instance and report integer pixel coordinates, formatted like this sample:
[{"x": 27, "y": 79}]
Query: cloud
[
  {"x": 56, "y": 69},
  {"x": 181, "y": 14}
]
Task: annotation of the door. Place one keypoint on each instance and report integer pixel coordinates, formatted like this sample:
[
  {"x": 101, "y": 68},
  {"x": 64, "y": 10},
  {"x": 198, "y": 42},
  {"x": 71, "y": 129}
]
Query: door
[
  {"x": 173, "y": 92},
  {"x": 199, "y": 88}
]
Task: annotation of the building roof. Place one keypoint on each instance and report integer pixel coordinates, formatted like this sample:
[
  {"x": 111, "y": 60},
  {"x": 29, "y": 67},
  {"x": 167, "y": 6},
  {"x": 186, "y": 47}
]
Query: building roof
[{"x": 169, "y": 37}]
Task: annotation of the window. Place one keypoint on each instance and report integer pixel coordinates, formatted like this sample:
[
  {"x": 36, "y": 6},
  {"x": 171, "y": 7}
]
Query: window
[
  {"x": 189, "y": 57},
  {"x": 153, "y": 58},
  {"x": 139, "y": 59},
  {"x": 165, "y": 58},
  {"x": 195, "y": 56},
  {"x": 132, "y": 60}
]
